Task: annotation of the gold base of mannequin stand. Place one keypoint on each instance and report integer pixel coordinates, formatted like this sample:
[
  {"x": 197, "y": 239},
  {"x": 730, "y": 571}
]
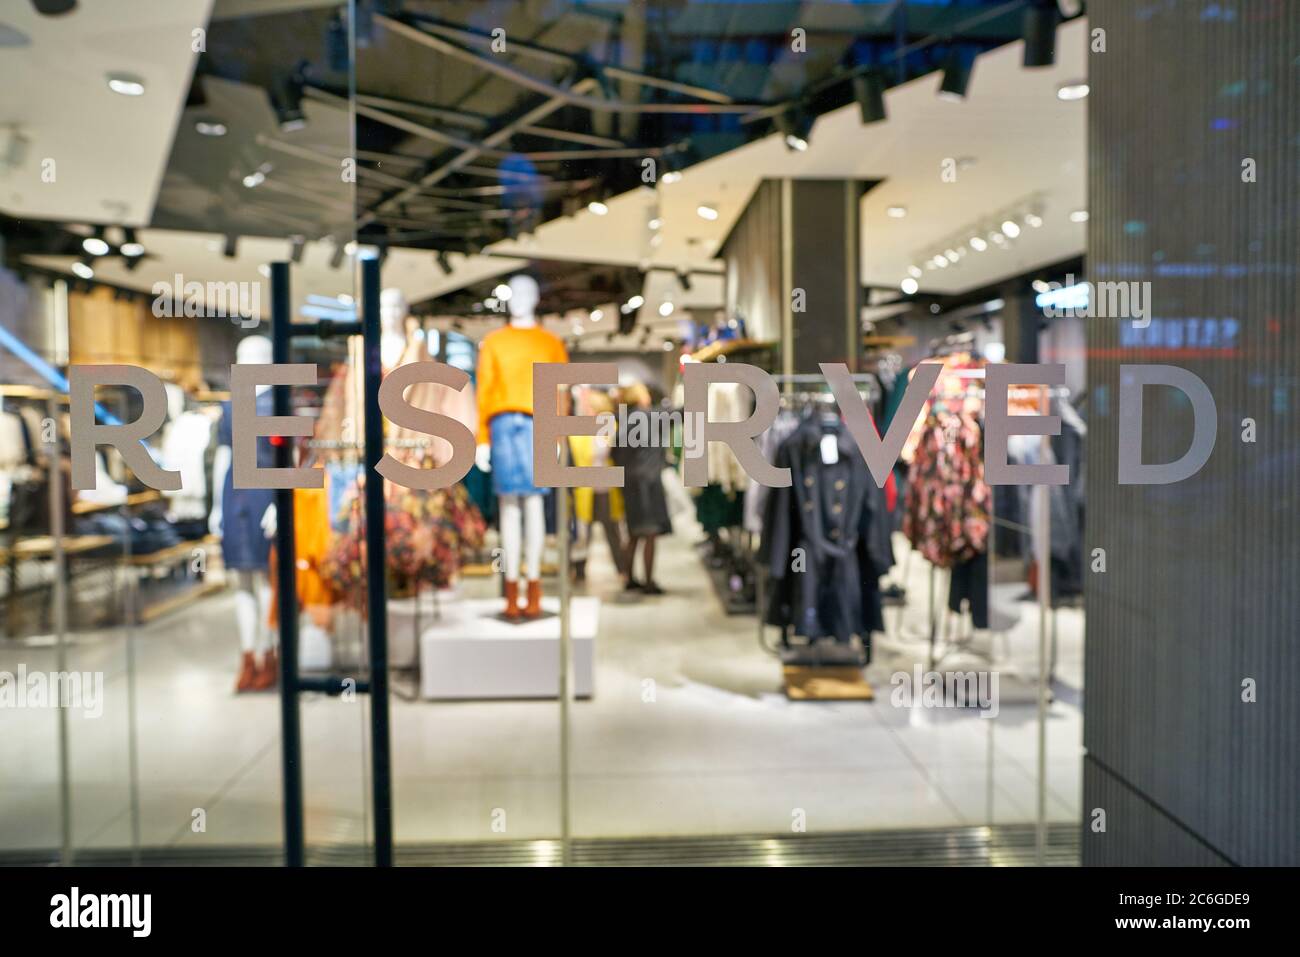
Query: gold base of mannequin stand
[{"x": 826, "y": 683}]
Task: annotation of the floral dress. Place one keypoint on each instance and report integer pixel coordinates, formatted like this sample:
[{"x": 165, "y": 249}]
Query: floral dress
[{"x": 947, "y": 511}]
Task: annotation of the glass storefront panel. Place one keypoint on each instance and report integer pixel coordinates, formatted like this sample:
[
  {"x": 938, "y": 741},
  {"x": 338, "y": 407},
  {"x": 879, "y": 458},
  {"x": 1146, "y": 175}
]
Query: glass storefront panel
[{"x": 758, "y": 645}]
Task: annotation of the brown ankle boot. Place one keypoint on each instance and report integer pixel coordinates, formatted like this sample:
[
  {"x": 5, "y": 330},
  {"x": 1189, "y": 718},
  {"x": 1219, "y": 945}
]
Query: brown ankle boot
[
  {"x": 247, "y": 673},
  {"x": 269, "y": 673},
  {"x": 534, "y": 606},
  {"x": 513, "y": 612}
]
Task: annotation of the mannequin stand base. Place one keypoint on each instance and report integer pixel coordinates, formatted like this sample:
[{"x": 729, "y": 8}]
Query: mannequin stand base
[{"x": 826, "y": 683}]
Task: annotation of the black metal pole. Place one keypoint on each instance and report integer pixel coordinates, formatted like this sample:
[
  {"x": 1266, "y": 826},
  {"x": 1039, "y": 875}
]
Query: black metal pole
[
  {"x": 287, "y": 585},
  {"x": 376, "y": 567}
]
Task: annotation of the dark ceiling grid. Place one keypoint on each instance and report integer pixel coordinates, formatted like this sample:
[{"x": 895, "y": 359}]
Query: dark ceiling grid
[{"x": 458, "y": 150}]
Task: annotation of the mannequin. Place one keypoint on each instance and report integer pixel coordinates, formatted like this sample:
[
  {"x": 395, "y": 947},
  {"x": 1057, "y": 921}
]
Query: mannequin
[
  {"x": 393, "y": 310},
  {"x": 505, "y": 449},
  {"x": 245, "y": 520}
]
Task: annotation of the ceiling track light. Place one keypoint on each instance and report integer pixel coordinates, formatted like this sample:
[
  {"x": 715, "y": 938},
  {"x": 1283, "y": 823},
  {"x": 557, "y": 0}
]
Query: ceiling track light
[
  {"x": 95, "y": 244},
  {"x": 285, "y": 95},
  {"x": 336, "y": 257},
  {"x": 444, "y": 262},
  {"x": 1038, "y": 30},
  {"x": 684, "y": 280},
  {"x": 956, "y": 77},
  {"x": 231, "y": 248},
  {"x": 869, "y": 92},
  {"x": 795, "y": 126},
  {"x": 131, "y": 246},
  {"x": 297, "y": 245},
  {"x": 210, "y": 127},
  {"x": 54, "y": 8},
  {"x": 126, "y": 84}
]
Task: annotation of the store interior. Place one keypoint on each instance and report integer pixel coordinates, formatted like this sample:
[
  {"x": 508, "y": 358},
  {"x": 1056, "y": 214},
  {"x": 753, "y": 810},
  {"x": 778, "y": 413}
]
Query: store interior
[{"x": 925, "y": 202}]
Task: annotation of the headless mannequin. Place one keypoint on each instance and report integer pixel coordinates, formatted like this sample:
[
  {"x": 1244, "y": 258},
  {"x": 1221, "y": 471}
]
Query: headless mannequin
[
  {"x": 252, "y": 588},
  {"x": 522, "y": 517}
]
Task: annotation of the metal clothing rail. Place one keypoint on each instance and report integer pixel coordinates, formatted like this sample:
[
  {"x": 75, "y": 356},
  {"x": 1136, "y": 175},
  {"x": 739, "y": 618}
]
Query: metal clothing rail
[{"x": 283, "y": 331}]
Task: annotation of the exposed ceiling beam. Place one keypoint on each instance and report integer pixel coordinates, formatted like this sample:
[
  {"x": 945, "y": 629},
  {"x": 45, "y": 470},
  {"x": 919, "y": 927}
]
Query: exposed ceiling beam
[
  {"x": 441, "y": 27},
  {"x": 565, "y": 94}
]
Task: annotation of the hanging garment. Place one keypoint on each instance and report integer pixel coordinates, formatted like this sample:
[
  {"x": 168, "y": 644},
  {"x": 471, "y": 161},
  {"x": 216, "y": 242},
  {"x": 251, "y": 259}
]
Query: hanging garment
[
  {"x": 643, "y": 489},
  {"x": 755, "y": 494},
  {"x": 426, "y": 535},
  {"x": 417, "y": 448},
  {"x": 583, "y": 450},
  {"x": 184, "y": 449},
  {"x": 826, "y": 539},
  {"x": 244, "y": 544},
  {"x": 946, "y": 517},
  {"x": 15, "y": 447},
  {"x": 728, "y": 402}
]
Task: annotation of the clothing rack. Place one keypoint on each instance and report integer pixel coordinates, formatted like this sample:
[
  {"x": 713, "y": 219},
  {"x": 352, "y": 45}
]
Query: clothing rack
[{"x": 792, "y": 399}]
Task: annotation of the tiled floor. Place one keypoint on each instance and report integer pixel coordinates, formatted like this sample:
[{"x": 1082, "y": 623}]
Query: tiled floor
[{"x": 717, "y": 748}]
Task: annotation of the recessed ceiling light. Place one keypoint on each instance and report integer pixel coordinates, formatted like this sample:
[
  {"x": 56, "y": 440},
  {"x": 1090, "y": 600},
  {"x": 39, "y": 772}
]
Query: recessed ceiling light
[
  {"x": 896, "y": 212},
  {"x": 132, "y": 249},
  {"x": 350, "y": 248},
  {"x": 910, "y": 286},
  {"x": 82, "y": 270},
  {"x": 914, "y": 271},
  {"x": 503, "y": 292},
  {"x": 1040, "y": 286},
  {"x": 668, "y": 345},
  {"x": 670, "y": 177},
  {"x": 706, "y": 212},
  {"x": 210, "y": 127},
  {"x": 1033, "y": 220},
  {"x": 264, "y": 270},
  {"x": 94, "y": 245},
  {"x": 254, "y": 179},
  {"x": 978, "y": 244},
  {"x": 796, "y": 143},
  {"x": 597, "y": 207},
  {"x": 1072, "y": 91},
  {"x": 656, "y": 223},
  {"x": 636, "y": 302},
  {"x": 1011, "y": 229},
  {"x": 951, "y": 255},
  {"x": 126, "y": 84},
  {"x": 1079, "y": 216},
  {"x": 665, "y": 309},
  {"x": 596, "y": 315}
]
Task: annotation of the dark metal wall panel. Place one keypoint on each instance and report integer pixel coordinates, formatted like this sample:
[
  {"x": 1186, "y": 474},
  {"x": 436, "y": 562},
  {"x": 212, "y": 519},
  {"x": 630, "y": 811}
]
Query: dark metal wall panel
[
  {"x": 824, "y": 260},
  {"x": 1200, "y": 591},
  {"x": 752, "y": 252},
  {"x": 1137, "y": 833}
]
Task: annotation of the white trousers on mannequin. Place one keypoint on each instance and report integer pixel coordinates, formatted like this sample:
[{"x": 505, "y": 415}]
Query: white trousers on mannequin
[
  {"x": 252, "y": 599},
  {"x": 523, "y": 531}
]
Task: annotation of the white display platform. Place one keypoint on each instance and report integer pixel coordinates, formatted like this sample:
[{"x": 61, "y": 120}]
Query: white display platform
[{"x": 471, "y": 654}]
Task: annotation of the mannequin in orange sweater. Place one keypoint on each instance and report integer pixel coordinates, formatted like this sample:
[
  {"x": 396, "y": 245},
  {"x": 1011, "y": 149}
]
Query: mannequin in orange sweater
[{"x": 505, "y": 402}]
